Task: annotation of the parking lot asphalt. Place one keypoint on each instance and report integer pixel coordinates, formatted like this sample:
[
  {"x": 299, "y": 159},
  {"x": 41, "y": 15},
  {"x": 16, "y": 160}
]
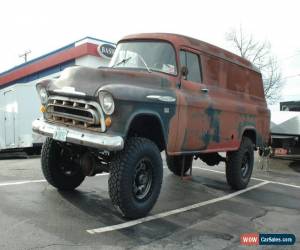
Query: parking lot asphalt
[{"x": 201, "y": 213}]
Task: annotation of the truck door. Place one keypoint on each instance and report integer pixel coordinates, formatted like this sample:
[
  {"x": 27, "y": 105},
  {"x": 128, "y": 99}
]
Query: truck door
[
  {"x": 194, "y": 125},
  {"x": 9, "y": 118}
]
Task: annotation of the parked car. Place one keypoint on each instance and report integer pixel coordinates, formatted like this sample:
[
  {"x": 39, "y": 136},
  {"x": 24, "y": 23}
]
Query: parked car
[{"x": 161, "y": 92}]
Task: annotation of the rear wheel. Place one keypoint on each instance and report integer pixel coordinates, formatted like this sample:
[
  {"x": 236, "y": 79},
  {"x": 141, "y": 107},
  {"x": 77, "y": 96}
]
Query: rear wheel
[
  {"x": 176, "y": 163},
  {"x": 58, "y": 168},
  {"x": 239, "y": 165},
  {"x": 136, "y": 177}
]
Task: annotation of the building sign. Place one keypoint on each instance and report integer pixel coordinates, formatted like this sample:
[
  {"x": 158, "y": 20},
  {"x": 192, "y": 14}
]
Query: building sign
[{"x": 106, "y": 50}]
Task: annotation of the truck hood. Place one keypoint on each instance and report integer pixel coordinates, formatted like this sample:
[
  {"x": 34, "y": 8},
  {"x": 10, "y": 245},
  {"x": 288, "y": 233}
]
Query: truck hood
[{"x": 86, "y": 81}]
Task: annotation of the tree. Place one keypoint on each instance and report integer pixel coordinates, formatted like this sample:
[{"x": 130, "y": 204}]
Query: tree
[{"x": 259, "y": 53}]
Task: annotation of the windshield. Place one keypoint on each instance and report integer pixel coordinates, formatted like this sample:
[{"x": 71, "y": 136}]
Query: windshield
[{"x": 150, "y": 56}]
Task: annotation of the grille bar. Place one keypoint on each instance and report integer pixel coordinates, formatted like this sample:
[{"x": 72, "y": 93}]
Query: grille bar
[{"x": 75, "y": 112}]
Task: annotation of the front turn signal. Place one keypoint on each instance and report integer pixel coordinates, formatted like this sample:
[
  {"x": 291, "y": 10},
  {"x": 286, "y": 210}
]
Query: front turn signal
[
  {"x": 43, "y": 109},
  {"x": 108, "y": 122}
]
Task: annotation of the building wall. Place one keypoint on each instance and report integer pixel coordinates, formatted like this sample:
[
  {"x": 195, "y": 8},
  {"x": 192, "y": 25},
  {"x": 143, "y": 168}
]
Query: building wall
[{"x": 91, "y": 61}]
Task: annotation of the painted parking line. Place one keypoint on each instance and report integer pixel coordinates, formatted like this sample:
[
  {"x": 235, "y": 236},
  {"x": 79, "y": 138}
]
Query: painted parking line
[
  {"x": 20, "y": 182},
  {"x": 201, "y": 168},
  {"x": 172, "y": 212},
  {"x": 102, "y": 174},
  {"x": 253, "y": 178},
  {"x": 32, "y": 181},
  {"x": 223, "y": 173}
]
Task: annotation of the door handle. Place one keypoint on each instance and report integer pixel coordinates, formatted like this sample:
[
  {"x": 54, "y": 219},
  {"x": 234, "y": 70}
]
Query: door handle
[{"x": 204, "y": 90}]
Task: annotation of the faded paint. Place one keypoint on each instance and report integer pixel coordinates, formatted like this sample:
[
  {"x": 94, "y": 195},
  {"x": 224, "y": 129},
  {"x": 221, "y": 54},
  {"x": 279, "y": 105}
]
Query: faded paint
[{"x": 198, "y": 121}]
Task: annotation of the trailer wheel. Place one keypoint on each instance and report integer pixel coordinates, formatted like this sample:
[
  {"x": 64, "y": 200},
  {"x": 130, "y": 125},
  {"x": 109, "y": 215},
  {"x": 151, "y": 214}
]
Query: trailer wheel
[
  {"x": 58, "y": 168},
  {"x": 135, "y": 177},
  {"x": 175, "y": 163},
  {"x": 239, "y": 165}
]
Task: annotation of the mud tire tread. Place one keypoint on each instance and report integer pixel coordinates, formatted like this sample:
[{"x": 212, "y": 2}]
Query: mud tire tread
[
  {"x": 121, "y": 171},
  {"x": 233, "y": 165},
  {"x": 49, "y": 165}
]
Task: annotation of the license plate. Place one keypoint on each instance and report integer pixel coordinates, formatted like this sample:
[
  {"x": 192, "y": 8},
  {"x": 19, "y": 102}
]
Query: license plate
[{"x": 60, "y": 134}]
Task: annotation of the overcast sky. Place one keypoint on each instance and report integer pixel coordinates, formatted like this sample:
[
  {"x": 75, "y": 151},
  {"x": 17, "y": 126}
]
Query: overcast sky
[{"x": 43, "y": 26}]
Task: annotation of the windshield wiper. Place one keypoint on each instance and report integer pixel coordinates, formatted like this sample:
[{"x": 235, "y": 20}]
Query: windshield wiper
[
  {"x": 122, "y": 61},
  {"x": 144, "y": 62},
  {"x": 125, "y": 60}
]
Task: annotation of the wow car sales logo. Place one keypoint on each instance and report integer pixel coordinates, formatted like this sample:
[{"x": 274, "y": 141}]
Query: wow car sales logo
[{"x": 255, "y": 239}]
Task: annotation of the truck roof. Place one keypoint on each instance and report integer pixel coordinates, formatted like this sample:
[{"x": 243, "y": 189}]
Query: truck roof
[{"x": 205, "y": 47}]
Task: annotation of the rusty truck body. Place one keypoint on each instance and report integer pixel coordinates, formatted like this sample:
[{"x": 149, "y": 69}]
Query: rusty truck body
[{"x": 161, "y": 92}]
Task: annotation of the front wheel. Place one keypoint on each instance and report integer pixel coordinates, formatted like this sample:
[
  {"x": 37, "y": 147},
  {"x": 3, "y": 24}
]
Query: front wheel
[
  {"x": 135, "y": 177},
  {"x": 58, "y": 168},
  {"x": 239, "y": 165}
]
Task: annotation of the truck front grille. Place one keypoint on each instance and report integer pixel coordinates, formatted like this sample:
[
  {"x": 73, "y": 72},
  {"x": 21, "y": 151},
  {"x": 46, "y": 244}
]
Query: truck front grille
[{"x": 75, "y": 112}]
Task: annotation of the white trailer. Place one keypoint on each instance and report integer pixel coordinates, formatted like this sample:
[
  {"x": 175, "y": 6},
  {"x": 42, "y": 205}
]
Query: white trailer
[{"x": 19, "y": 106}]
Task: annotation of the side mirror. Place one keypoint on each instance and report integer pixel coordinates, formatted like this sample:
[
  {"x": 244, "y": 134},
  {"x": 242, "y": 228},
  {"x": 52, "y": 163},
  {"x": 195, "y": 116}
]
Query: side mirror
[{"x": 184, "y": 71}]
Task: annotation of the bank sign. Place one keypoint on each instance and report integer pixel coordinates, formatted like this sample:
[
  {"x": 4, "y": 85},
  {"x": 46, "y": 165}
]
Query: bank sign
[{"x": 106, "y": 50}]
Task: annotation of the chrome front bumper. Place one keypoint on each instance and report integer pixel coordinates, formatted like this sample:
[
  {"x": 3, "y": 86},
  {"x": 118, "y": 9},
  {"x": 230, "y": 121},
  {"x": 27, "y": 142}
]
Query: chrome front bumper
[{"x": 85, "y": 138}]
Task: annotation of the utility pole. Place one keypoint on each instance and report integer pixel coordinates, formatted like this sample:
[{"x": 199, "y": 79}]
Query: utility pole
[{"x": 24, "y": 55}]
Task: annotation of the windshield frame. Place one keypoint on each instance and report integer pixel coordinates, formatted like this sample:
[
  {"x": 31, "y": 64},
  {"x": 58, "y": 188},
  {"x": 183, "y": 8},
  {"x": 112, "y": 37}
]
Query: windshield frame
[{"x": 152, "y": 70}]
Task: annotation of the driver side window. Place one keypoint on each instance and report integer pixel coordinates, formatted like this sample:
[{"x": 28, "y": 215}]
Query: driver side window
[{"x": 192, "y": 62}]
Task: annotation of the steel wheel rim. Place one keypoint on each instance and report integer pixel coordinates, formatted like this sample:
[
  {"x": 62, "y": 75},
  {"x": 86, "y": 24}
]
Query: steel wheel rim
[
  {"x": 142, "y": 182},
  {"x": 245, "y": 164},
  {"x": 67, "y": 167}
]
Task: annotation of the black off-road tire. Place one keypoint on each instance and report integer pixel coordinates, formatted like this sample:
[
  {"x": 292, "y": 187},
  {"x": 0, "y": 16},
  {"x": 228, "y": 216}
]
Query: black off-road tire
[
  {"x": 236, "y": 177},
  {"x": 52, "y": 162},
  {"x": 122, "y": 177},
  {"x": 175, "y": 163}
]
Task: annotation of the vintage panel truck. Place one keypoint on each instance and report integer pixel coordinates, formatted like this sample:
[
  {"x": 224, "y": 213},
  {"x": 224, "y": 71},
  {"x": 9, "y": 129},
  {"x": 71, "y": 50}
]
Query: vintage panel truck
[{"x": 161, "y": 92}]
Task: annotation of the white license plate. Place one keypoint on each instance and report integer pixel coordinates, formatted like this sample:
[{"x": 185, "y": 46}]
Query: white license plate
[{"x": 60, "y": 134}]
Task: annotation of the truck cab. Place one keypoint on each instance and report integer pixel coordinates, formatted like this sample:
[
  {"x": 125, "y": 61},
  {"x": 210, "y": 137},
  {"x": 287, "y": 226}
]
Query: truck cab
[{"x": 160, "y": 92}]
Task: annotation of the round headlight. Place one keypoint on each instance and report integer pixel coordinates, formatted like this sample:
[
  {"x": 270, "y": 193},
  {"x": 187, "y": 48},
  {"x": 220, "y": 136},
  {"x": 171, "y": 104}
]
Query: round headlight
[
  {"x": 43, "y": 96},
  {"x": 107, "y": 102}
]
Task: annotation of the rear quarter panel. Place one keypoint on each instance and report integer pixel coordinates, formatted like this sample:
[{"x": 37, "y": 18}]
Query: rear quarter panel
[{"x": 237, "y": 103}]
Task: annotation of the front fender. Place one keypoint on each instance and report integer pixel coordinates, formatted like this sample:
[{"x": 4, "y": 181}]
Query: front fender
[
  {"x": 142, "y": 113},
  {"x": 127, "y": 111}
]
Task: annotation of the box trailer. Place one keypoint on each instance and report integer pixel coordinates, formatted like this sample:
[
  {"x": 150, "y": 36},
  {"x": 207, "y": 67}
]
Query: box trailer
[{"x": 19, "y": 106}]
